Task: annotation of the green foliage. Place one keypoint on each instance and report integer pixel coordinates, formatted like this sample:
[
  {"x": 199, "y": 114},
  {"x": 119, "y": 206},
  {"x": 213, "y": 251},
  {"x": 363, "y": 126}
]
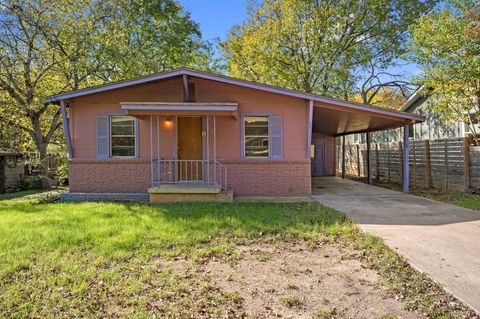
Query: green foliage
[
  {"x": 320, "y": 46},
  {"x": 47, "y": 47},
  {"x": 446, "y": 44}
]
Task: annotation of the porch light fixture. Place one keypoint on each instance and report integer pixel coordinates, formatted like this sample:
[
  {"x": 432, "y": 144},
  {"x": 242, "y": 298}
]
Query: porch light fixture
[{"x": 168, "y": 122}]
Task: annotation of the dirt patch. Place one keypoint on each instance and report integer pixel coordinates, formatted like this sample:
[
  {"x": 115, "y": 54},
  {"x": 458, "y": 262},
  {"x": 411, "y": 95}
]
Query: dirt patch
[{"x": 299, "y": 281}]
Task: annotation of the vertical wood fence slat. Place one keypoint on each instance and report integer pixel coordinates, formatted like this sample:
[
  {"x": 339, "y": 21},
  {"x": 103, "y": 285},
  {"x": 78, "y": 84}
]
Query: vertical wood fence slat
[
  {"x": 358, "y": 160},
  {"x": 414, "y": 164},
  {"x": 428, "y": 173},
  {"x": 388, "y": 162},
  {"x": 400, "y": 160},
  {"x": 445, "y": 151},
  {"x": 466, "y": 164}
]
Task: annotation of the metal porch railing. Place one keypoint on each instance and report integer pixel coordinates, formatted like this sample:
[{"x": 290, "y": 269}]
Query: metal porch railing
[{"x": 174, "y": 171}]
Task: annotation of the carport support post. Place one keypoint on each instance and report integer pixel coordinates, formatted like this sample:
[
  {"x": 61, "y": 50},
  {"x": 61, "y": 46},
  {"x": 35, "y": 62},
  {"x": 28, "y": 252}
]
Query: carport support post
[
  {"x": 343, "y": 156},
  {"x": 369, "y": 164},
  {"x": 406, "y": 174}
]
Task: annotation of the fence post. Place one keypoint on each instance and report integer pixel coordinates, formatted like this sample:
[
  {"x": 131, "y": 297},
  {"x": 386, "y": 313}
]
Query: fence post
[
  {"x": 377, "y": 163},
  {"x": 369, "y": 160},
  {"x": 400, "y": 160},
  {"x": 358, "y": 160},
  {"x": 445, "y": 153},
  {"x": 388, "y": 161},
  {"x": 414, "y": 149},
  {"x": 428, "y": 173},
  {"x": 466, "y": 164}
]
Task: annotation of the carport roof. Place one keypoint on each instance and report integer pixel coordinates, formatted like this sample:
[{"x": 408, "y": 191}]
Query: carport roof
[{"x": 332, "y": 116}]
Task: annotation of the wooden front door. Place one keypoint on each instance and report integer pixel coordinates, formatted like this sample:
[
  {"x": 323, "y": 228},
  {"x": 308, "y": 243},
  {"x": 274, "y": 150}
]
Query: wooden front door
[{"x": 189, "y": 148}]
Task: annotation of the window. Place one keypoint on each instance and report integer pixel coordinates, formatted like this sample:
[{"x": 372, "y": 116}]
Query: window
[
  {"x": 122, "y": 136},
  {"x": 256, "y": 136}
]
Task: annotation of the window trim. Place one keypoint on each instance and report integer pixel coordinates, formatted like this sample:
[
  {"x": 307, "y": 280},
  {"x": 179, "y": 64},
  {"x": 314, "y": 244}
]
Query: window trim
[
  {"x": 242, "y": 134},
  {"x": 135, "y": 124}
]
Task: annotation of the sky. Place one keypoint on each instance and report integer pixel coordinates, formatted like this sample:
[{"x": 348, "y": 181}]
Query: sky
[{"x": 216, "y": 17}]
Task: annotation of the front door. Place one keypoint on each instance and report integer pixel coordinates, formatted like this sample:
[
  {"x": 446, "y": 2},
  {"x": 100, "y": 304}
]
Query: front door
[
  {"x": 318, "y": 160},
  {"x": 189, "y": 148}
]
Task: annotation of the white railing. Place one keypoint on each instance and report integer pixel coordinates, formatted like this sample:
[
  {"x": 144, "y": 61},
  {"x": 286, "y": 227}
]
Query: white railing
[{"x": 189, "y": 171}]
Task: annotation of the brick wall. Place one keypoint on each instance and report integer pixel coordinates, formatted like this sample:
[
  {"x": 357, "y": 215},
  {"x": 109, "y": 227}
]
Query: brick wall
[
  {"x": 269, "y": 178},
  {"x": 290, "y": 178},
  {"x": 109, "y": 176}
]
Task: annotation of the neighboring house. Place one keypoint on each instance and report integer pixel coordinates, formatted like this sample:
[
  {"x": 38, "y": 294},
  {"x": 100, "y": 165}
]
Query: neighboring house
[
  {"x": 12, "y": 170},
  {"x": 187, "y": 131},
  {"x": 433, "y": 128}
]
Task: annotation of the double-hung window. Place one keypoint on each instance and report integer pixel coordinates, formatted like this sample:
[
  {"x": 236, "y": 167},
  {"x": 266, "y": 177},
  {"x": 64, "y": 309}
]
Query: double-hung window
[
  {"x": 116, "y": 136},
  {"x": 256, "y": 137},
  {"x": 122, "y": 136},
  {"x": 262, "y": 136}
]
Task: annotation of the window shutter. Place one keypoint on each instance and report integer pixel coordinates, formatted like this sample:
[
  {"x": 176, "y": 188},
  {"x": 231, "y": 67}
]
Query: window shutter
[
  {"x": 103, "y": 147},
  {"x": 276, "y": 137}
]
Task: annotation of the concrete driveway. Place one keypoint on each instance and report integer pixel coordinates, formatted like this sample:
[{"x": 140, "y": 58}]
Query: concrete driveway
[{"x": 438, "y": 239}]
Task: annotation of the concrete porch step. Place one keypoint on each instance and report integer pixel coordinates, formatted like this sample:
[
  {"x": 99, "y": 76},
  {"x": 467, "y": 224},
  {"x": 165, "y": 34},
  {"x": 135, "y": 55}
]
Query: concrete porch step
[{"x": 187, "y": 192}]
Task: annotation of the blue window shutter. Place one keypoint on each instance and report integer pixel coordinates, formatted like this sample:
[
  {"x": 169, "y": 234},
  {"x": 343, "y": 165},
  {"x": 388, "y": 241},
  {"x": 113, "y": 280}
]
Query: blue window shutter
[
  {"x": 276, "y": 137},
  {"x": 103, "y": 137},
  {"x": 242, "y": 136}
]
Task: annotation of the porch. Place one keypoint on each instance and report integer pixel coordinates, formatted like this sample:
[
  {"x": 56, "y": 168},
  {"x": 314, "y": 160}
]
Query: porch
[{"x": 190, "y": 170}]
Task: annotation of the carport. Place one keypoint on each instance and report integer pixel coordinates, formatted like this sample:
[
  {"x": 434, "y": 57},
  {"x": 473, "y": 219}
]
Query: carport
[{"x": 328, "y": 121}]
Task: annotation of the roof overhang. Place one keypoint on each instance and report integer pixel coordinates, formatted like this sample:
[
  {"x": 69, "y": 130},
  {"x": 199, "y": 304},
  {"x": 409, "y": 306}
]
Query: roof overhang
[
  {"x": 179, "y": 108},
  {"x": 337, "y": 121}
]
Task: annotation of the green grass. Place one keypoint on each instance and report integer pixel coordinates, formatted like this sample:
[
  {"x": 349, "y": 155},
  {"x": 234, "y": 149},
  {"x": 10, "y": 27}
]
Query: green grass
[
  {"x": 83, "y": 259},
  {"x": 466, "y": 200},
  {"x": 95, "y": 260}
]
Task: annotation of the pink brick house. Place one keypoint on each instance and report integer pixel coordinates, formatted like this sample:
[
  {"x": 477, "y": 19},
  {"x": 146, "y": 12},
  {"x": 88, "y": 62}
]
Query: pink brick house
[{"x": 186, "y": 127}]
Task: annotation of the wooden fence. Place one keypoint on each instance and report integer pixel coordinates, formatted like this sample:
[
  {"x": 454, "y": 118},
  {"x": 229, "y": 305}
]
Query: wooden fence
[{"x": 448, "y": 164}]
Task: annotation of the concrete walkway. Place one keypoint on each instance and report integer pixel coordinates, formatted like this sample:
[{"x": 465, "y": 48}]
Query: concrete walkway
[{"x": 438, "y": 239}]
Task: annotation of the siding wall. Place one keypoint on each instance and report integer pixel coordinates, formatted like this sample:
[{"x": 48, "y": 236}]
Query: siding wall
[{"x": 246, "y": 177}]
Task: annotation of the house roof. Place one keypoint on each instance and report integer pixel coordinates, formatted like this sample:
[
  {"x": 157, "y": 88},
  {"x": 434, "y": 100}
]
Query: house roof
[
  {"x": 417, "y": 98},
  {"x": 233, "y": 81},
  {"x": 8, "y": 151}
]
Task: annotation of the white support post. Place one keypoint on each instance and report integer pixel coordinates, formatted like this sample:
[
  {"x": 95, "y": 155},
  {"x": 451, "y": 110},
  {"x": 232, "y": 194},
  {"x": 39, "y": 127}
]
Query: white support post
[
  {"x": 151, "y": 149},
  {"x": 158, "y": 149},
  {"x": 66, "y": 127},
  {"x": 309, "y": 127},
  {"x": 214, "y": 149},
  {"x": 369, "y": 158},
  {"x": 208, "y": 151}
]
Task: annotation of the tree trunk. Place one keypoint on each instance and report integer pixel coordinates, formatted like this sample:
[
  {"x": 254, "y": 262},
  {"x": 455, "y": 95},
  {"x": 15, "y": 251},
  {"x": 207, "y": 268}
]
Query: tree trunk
[
  {"x": 41, "y": 145},
  {"x": 42, "y": 154}
]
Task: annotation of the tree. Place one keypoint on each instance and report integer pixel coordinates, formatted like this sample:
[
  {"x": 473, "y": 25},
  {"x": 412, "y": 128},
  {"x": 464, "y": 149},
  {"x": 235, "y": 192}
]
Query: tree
[
  {"x": 322, "y": 46},
  {"x": 446, "y": 44},
  {"x": 47, "y": 47}
]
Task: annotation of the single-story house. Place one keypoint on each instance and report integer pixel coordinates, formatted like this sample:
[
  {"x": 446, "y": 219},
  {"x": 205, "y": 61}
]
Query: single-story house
[{"x": 188, "y": 131}]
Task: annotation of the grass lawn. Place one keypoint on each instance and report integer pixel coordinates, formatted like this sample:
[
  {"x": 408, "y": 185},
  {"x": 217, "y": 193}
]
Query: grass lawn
[
  {"x": 122, "y": 260},
  {"x": 466, "y": 200}
]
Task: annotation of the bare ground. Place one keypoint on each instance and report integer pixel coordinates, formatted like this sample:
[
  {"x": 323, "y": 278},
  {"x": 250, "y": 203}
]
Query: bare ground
[{"x": 295, "y": 280}]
